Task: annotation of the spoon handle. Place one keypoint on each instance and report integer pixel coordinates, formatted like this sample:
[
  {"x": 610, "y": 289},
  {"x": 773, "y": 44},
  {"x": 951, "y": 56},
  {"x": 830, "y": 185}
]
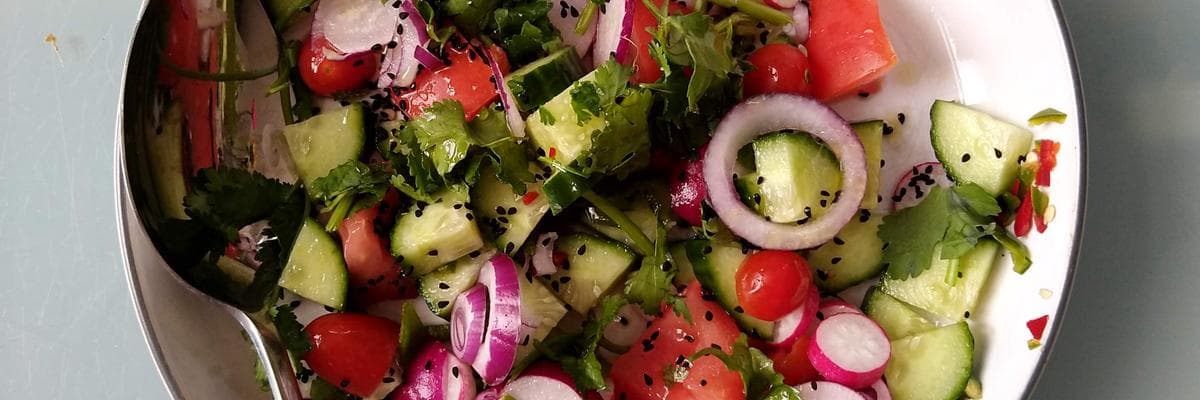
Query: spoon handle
[{"x": 277, "y": 365}]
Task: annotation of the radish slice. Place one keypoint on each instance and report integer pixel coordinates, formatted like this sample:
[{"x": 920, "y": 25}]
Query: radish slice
[
  {"x": 564, "y": 15},
  {"x": 400, "y": 64},
  {"x": 822, "y": 390},
  {"x": 877, "y": 391},
  {"x": 543, "y": 255},
  {"x": 614, "y": 27},
  {"x": 499, "y": 351},
  {"x": 799, "y": 27},
  {"x": 512, "y": 115},
  {"x": 436, "y": 374},
  {"x": 543, "y": 381},
  {"x": 795, "y": 325},
  {"x": 915, "y": 184},
  {"x": 468, "y": 321},
  {"x": 772, "y": 113},
  {"x": 629, "y": 325},
  {"x": 850, "y": 349},
  {"x": 355, "y": 26},
  {"x": 831, "y": 306}
]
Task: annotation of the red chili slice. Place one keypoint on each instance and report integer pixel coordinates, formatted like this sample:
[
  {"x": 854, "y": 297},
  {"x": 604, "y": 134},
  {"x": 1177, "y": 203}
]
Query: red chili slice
[
  {"x": 1037, "y": 326},
  {"x": 1047, "y": 160},
  {"x": 1024, "y": 220}
]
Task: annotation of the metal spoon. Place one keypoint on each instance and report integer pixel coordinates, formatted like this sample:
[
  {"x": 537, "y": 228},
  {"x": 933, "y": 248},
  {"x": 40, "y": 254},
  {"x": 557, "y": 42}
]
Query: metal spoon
[{"x": 137, "y": 115}]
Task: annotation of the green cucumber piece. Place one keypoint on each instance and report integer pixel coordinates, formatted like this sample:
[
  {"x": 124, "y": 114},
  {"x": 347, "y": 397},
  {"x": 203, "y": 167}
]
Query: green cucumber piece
[
  {"x": 899, "y": 320},
  {"x": 541, "y": 80},
  {"x": 854, "y": 255},
  {"x": 503, "y": 215},
  {"x": 638, "y": 211},
  {"x": 442, "y": 286},
  {"x": 593, "y": 265},
  {"x": 431, "y": 235},
  {"x": 323, "y": 142},
  {"x": 563, "y": 188},
  {"x": 715, "y": 263},
  {"x": 315, "y": 269},
  {"x": 932, "y": 365},
  {"x": 975, "y": 147},
  {"x": 930, "y": 292},
  {"x": 870, "y": 133},
  {"x": 798, "y": 177}
]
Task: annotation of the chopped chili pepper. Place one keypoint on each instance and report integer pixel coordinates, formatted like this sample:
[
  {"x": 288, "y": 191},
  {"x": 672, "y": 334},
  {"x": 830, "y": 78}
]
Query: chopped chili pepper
[
  {"x": 529, "y": 197},
  {"x": 1024, "y": 220},
  {"x": 1037, "y": 326},
  {"x": 1047, "y": 160},
  {"x": 553, "y": 152}
]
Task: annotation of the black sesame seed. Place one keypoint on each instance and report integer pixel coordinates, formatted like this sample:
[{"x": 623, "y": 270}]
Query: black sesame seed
[
  {"x": 704, "y": 382},
  {"x": 835, "y": 260},
  {"x": 443, "y": 285},
  {"x": 739, "y": 310},
  {"x": 864, "y": 94},
  {"x": 998, "y": 153},
  {"x": 900, "y": 117},
  {"x": 960, "y": 275},
  {"x": 708, "y": 316},
  {"x": 966, "y": 157},
  {"x": 443, "y": 303},
  {"x": 649, "y": 381},
  {"x": 820, "y": 316},
  {"x": 689, "y": 338},
  {"x": 433, "y": 253},
  {"x": 454, "y": 371},
  {"x": 388, "y": 379},
  {"x": 838, "y": 241},
  {"x": 966, "y": 314},
  {"x": 474, "y": 254},
  {"x": 582, "y": 250},
  {"x": 822, "y": 275},
  {"x": 887, "y": 129},
  {"x": 509, "y": 247},
  {"x": 344, "y": 383}
]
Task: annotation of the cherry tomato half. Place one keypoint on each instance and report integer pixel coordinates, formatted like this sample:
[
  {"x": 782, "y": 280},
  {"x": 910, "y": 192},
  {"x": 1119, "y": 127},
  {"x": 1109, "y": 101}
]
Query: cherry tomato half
[
  {"x": 327, "y": 77},
  {"x": 778, "y": 68},
  {"x": 772, "y": 283}
]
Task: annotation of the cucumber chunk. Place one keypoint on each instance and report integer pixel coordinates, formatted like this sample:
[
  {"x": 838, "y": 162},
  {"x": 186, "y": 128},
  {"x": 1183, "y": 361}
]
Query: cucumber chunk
[
  {"x": 853, "y": 256},
  {"x": 432, "y": 235},
  {"x": 593, "y": 266},
  {"x": 798, "y": 177},
  {"x": 541, "y": 80},
  {"x": 899, "y": 320},
  {"x": 715, "y": 264},
  {"x": 505, "y": 216},
  {"x": 442, "y": 286},
  {"x": 639, "y": 212},
  {"x": 315, "y": 269},
  {"x": 323, "y": 142},
  {"x": 930, "y": 292},
  {"x": 933, "y": 365},
  {"x": 541, "y": 310},
  {"x": 870, "y": 133},
  {"x": 976, "y": 147}
]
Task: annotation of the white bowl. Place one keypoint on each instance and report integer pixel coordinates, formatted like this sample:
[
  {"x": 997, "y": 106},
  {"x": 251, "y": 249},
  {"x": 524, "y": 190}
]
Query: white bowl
[{"x": 1010, "y": 58}]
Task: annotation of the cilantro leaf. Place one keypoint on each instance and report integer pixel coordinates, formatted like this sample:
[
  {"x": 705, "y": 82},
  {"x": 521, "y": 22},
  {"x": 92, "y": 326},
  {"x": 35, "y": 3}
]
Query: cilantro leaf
[
  {"x": 291, "y": 333},
  {"x": 442, "y": 134},
  {"x": 577, "y": 353},
  {"x": 228, "y": 199},
  {"x": 650, "y": 285},
  {"x": 586, "y": 101},
  {"x": 346, "y": 183},
  {"x": 523, "y": 29},
  {"x": 757, "y": 370},
  {"x": 505, "y": 153},
  {"x": 546, "y": 117},
  {"x": 693, "y": 40}
]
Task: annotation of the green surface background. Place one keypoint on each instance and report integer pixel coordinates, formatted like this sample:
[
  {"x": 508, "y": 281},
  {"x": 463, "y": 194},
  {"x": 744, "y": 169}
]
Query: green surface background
[{"x": 68, "y": 331}]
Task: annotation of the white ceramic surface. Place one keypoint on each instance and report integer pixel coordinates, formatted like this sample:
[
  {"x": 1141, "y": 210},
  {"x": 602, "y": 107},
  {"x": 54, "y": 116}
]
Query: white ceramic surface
[{"x": 1006, "y": 57}]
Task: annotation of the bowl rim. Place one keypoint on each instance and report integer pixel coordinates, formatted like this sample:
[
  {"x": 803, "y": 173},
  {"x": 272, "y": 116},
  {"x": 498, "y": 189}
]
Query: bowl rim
[{"x": 121, "y": 195}]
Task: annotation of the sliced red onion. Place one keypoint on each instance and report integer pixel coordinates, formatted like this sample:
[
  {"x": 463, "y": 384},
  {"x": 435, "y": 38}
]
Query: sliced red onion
[
  {"x": 512, "y": 115},
  {"x": 915, "y": 184},
  {"x": 772, "y": 113},
  {"x": 400, "y": 64},
  {"x": 468, "y": 321},
  {"x": 499, "y": 351},
  {"x": 427, "y": 58},
  {"x": 798, "y": 323},
  {"x": 355, "y": 26},
  {"x": 436, "y": 374},
  {"x": 629, "y": 325},
  {"x": 543, "y": 254},
  {"x": 877, "y": 391},
  {"x": 564, "y": 15},
  {"x": 799, "y": 27},
  {"x": 614, "y": 26},
  {"x": 427, "y": 316}
]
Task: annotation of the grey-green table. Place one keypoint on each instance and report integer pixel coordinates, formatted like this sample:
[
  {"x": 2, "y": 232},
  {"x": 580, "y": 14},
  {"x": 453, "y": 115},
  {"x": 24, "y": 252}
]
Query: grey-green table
[{"x": 68, "y": 331}]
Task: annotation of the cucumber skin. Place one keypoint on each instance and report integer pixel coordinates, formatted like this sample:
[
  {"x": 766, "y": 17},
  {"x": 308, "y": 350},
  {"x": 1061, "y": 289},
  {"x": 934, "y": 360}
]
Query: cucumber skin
[
  {"x": 898, "y": 319},
  {"x": 899, "y": 373},
  {"x": 538, "y": 82}
]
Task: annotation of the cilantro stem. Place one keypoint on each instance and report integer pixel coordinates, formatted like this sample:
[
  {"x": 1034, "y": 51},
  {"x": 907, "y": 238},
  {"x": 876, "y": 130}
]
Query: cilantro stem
[
  {"x": 659, "y": 13},
  {"x": 641, "y": 243},
  {"x": 231, "y": 76},
  {"x": 758, "y": 10},
  {"x": 341, "y": 207},
  {"x": 585, "y": 19},
  {"x": 728, "y": 23}
]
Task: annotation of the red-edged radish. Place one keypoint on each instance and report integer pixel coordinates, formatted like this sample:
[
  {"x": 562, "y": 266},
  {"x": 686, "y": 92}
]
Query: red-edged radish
[
  {"x": 499, "y": 351},
  {"x": 911, "y": 189},
  {"x": 614, "y": 26},
  {"x": 850, "y": 349},
  {"x": 543, "y": 254},
  {"x": 564, "y": 15},
  {"x": 796, "y": 324},
  {"x": 824, "y": 390},
  {"x": 542, "y": 381},
  {"x": 831, "y": 306},
  {"x": 628, "y": 326},
  {"x": 436, "y": 374}
]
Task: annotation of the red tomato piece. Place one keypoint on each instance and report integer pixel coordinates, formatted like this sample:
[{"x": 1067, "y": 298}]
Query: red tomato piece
[
  {"x": 778, "y": 68},
  {"x": 352, "y": 351},
  {"x": 1037, "y": 326},
  {"x": 466, "y": 78},
  {"x": 1047, "y": 160},
  {"x": 709, "y": 379},
  {"x": 375, "y": 275},
  {"x": 847, "y": 46},
  {"x": 793, "y": 364},
  {"x": 772, "y": 283},
  {"x": 645, "y": 25},
  {"x": 638, "y": 374},
  {"x": 327, "y": 77}
]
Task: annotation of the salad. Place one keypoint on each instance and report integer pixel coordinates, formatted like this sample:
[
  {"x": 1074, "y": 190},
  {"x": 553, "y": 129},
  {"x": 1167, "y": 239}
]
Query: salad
[{"x": 615, "y": 199}]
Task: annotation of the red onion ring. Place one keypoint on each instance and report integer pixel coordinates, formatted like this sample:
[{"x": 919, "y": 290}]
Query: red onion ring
[
  {"x": 499, "y": 351},
  {"x": 543, "y": 254},
  {"x": 400, "y": 63},
  {"x": 771, "y": 113},
  {"x": 614, "y": 26},
  {"x": 512, "y": 115},
  {"x": 468, "y": 321}
]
